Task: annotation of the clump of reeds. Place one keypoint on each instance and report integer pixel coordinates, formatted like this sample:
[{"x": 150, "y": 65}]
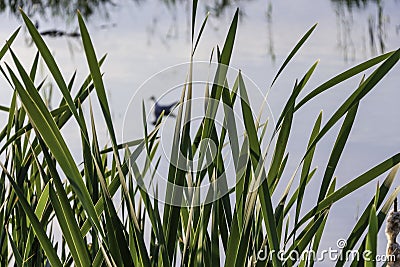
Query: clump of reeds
[{"x": 43, "y": 187}]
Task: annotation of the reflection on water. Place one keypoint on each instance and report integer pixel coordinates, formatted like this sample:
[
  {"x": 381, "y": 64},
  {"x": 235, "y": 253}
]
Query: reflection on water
[
  {"x": 377, "y": 26},
  {"x": 344, "y": 26},
  {"x": 350, "y": 4},
  {"x": 45, "y": 12},
  {"x": 217, "y": 7},
  {"x": 61, "y": 8},
  {"x": 373, "y": 40},
  {"x": 173, "y": 29},
  {"x": 270, "y": 48},
  {"x": 380, "y": 29},
  {"x": 67, "y": 8}
]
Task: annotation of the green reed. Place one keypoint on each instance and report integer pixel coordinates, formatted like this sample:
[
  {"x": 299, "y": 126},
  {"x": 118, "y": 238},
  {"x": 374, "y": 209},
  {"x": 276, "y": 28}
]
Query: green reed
[{"x": 42, "y": 186}]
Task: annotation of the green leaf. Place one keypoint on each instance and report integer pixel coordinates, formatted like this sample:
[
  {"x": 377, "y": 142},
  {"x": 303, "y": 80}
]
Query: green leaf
[
  {"x": 8, "y": 43},
  {"x": 360, "y": 93},
  {"x": 64, "y": 213},
  {"x": 37, "y": 227},
  {"x": 97, "y": 77},
  {"x": 306, "y": 168},
  {"x": 337, "y": 150},
  {"x": 295, "y": 93},
  {"x": 200, "y": 33},
  {"x": 51, "y": 64},
  {"x": 17, "y": 255},
  {"x": 194, "y": 10},
  {"x": 39, "y": 210},
  {"x": 372, "y": 242},
  {"x": 342, "y": 77},
  {"x": 260, "y": 178},
  {"x": 363, "y": 221},
  {"x": 3, "y": 108},
  {"x": 11, "y": 114},
  {"x": 294, "y": 51},
  {"x": 45, "y": 125},
  {"x": 353, "y": 185}
]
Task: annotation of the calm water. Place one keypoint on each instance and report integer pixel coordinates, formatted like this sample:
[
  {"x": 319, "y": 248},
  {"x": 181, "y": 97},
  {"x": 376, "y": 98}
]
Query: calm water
[{"x": 145, "y": 37}]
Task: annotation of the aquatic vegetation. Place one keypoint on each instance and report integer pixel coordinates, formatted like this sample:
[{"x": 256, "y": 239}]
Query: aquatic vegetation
[{"x": 45, "y": 191}]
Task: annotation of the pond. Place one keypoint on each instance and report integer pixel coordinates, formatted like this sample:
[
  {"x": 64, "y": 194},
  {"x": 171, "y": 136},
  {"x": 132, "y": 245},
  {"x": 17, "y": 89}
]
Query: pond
[{"x": 143, "y": 38}]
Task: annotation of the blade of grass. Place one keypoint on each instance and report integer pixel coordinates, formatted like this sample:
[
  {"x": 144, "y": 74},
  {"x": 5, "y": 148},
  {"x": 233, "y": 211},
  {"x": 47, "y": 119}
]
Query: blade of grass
[
  {"x": 3, "y": 108},
  {"x": 17, "y": 255},
  {"x": 9, "y": 43},
  {"x": 360, "y": 93},
  {"x": 372, "y": 242},
  {"x": 258, "y": 166},
  {"x": 11, "y": 114},
  {"x": 295, "y": 93},
  {"x": 97, "y": 77},
  {"x": 37, "y": 227},
  {"x": 306, "y": 168},
  {"x": 65, "y": 214},
  {"x": 44, "y": 123},
  {"x": 337, "y": 150},
  {"x": 293, "y": 52},
  {"x": 39, "y": 210},
  {"x": 362, "y": 222},
  {"x": 353, "y": 185},
  {"x": 342, "y": 77},
  {"x": 318, "y": 235},
  {"x": 194, "y": 11},
  {"x": 101, "y": 94},
  {"x": 200, "y": 33},
  {"x": 51, "y": 64}
]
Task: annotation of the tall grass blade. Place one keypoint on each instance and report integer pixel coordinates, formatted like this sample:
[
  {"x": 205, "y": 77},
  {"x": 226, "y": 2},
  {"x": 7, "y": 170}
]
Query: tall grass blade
[
  {"x": 97, "y": 78},
  {"x": 372, "y": 242},
  {"x": 293, "y": 52},
  {"x": 9, "y": 43},
  {"x": 51, "y": 64},
  {"x": 337, "y": 150},
  {"x": 362, "y": 222},
  {"x": 37, "y": 227},
  {"x": 360, "y": 93},
  {"x": 306, "y": 168},
  {"x": 353, "y": 185},
  {"x": 295, "y": 93},
  {"x": 261, "y": 180},
  {"x": 342, "y": 77},
  {"x": 45, "y": 125},
  {"x": 17, "y": 255}
]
